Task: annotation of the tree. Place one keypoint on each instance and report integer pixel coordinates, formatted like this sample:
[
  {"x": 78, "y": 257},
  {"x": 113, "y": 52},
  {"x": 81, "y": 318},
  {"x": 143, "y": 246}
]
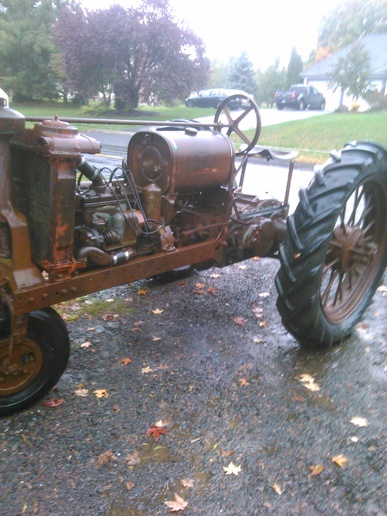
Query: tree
[
  {"x": 241, "y": 74},
  {"x": 351, "y": 72},
  {"x": 294, "y": 68},
  {"x": 350, "y": 20},
  {"x": 270, "y": 81},
  {"x": 27, "y": 48},
  {"x": 140, "y": 52}
]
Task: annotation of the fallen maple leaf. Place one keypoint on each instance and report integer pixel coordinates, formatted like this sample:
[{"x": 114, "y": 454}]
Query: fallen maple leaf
[
  {"x": 109, "y": 316},
  {"x": 340, "y": 460},
  {"x": 157, "y": 311},
  {"x": 146, "y": 370},
  {"x": 211, "y": 290},
  {"x": 243, "y": 381},
  {"x": 54, "y": 402},
  {"x": 308, "y": 382},
  {"x": 101, "y": 393},
  {"x": 156, "y": 339},
  {"x": 187, "y": 482},
  {"x": 264, "y": 294},
  {"x": 200, "y": 285},
  {"x": 256, "y": 340},
  {"x": 263, "y": 324},
  {"x": 156, "y": 430},
  {"x": 86, "y": 345},
  {"x": 277, "y": 488},
  {"x": 179, "y": 504},
  {"x": 240, "y": 320},
  {"x": 129, "y": 485},
  {"x": 316, "y": 470},
  {"x": 126, "y": 361},
  {"x": 258, "y": 312},
  {"x": 105, "y": 458},
  {"x": 215, "y": 276},
  {"x": 141, "y": 292},
  {"x": 133, "y": 458},
  {"x": 110, "y": 300},
  {"x": 232, "y": 469},
  {"x": 242, "y": 267},
  {"x": 82, "y": 392},
  {"x": 359, "y": 421}
]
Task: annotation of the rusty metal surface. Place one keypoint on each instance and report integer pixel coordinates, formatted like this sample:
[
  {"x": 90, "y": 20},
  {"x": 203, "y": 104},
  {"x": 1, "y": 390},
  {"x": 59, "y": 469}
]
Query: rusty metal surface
[
  {"x": 46, "y": 294},
  {"x": 180, "y": 161}
]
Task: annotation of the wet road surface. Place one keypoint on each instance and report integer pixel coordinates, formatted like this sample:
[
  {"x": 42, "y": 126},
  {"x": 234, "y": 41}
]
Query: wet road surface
[{"x": 210, "y": 359}]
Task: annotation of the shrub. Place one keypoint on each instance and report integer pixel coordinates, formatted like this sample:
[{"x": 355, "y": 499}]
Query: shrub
[{"x": 376, "y": 100}]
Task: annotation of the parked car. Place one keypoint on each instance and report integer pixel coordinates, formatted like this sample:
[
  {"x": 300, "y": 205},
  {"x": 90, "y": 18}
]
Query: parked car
[
  {"x": 212, "y": 98},
  {"x": 300, "y": 97},
  {"x": 3, "y": 95}
]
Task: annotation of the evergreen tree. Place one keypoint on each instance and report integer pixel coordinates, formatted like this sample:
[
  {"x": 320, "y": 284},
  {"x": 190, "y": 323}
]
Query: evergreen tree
[
  {"x": 241, "y": 75},
  {"x": 294, "y": 69}
]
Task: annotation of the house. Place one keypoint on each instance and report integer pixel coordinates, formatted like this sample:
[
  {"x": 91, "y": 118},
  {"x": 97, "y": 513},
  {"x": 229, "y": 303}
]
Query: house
[{"x": 318, "y": 74}]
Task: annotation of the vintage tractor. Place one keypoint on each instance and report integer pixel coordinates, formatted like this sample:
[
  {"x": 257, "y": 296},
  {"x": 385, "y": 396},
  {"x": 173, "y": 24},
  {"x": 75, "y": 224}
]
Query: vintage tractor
[{"x": 68, "y": 229}]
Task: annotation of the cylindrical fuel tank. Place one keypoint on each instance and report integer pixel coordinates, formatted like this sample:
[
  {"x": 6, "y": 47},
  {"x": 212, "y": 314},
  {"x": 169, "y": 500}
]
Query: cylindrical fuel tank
[{"x": 180, "y": 159}]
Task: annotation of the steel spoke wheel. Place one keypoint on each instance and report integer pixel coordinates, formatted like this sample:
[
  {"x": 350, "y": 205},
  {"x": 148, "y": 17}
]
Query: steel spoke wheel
[
  {"x": 243, "y": 125},
  {"x": 354, "y": 253},
  {"x": 335, "y": 252}
]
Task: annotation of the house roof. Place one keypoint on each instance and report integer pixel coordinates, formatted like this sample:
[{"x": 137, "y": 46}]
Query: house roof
[{"x": 376, "y": 46}]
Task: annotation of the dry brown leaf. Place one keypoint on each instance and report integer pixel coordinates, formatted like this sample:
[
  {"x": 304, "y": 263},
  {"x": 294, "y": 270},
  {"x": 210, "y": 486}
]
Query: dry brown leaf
[
  {"x": 157, "y": 311},
  {"x": 263, "y": 324},
  {"x": 258, "y": 312},
  {"x": 141, "y": 292},
  {"x": 133, "y": 459},
  {"x": 101, "y": 393},
  {"x": 242, "y": 267},
  {"x": 200, "y": 285},
  {"x": 340, "y": 460},
  {"x": 126, "y": 361},
  {"x": 264, "y": 294},
  {"x": 156, "y": 339},
  {"x": 129, "y": 485},
  {"x": 232, "y": 469},
  {"x": 187, "y": 482},
  {"x": 105, "y": 458},
  {"x": 86, "y": 345},
  {"x": 179, "y": 504},
  {"x": 146, "y": 370},
  {"x": 241, "y": 321},
  {"x": 316, "y": 470},
  {"x": 215, "y": 276},
  {"x": 277, "y": 488},
  {"x": 359, "y": 421},
  {"x": 309, "y": 382},
  {"x": 256, "y": 340},
  {"x": 243, "y": 381},
  {"x": 82, "y": 392}
]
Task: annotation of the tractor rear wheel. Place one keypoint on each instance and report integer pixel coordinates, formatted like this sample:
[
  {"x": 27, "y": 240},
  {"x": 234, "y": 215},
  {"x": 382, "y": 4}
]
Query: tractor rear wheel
[{"x": 335, "y": 251}]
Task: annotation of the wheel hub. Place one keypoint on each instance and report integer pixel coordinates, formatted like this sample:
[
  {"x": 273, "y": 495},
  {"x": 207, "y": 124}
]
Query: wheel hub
[
  {"x": 349, "y": 246},
  {"x": 15, "y": 375}
]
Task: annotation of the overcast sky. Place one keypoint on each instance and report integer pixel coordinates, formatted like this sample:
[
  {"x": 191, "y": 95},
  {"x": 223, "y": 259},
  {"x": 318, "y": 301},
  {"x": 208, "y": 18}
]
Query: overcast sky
[{"x": 264, "y": 29}]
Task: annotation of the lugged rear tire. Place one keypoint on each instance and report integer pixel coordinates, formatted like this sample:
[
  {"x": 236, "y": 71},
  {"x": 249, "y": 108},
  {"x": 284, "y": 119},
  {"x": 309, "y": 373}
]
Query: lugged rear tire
[{"x": 335, "y": 251}]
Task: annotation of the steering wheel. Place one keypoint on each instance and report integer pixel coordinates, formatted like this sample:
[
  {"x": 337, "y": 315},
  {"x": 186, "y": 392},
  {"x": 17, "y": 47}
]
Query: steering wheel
[{"x": 246, "y": 117}]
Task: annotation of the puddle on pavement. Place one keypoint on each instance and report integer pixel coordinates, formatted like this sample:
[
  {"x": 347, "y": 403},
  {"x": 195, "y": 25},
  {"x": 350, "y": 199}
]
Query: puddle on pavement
[{"x": 155, "y": 452}]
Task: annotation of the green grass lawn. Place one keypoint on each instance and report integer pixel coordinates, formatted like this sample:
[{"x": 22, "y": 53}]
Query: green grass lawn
[{"x": 313, "y": 137}]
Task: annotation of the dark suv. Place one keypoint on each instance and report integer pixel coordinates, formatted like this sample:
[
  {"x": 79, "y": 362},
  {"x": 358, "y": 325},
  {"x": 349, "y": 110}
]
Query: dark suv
[{"x": 300, "y": 97}]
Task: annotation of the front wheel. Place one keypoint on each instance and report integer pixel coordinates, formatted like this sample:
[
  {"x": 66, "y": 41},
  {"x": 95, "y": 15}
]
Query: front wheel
[
  {"x": 301, "y": 105},
  {"x": 335, "y": 251},
  {"x": 43, "y": 357}
]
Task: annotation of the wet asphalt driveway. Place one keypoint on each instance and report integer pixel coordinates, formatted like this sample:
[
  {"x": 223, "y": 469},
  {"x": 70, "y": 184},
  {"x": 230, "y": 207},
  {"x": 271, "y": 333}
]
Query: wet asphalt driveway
[{"x": 205, "y": 357}]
